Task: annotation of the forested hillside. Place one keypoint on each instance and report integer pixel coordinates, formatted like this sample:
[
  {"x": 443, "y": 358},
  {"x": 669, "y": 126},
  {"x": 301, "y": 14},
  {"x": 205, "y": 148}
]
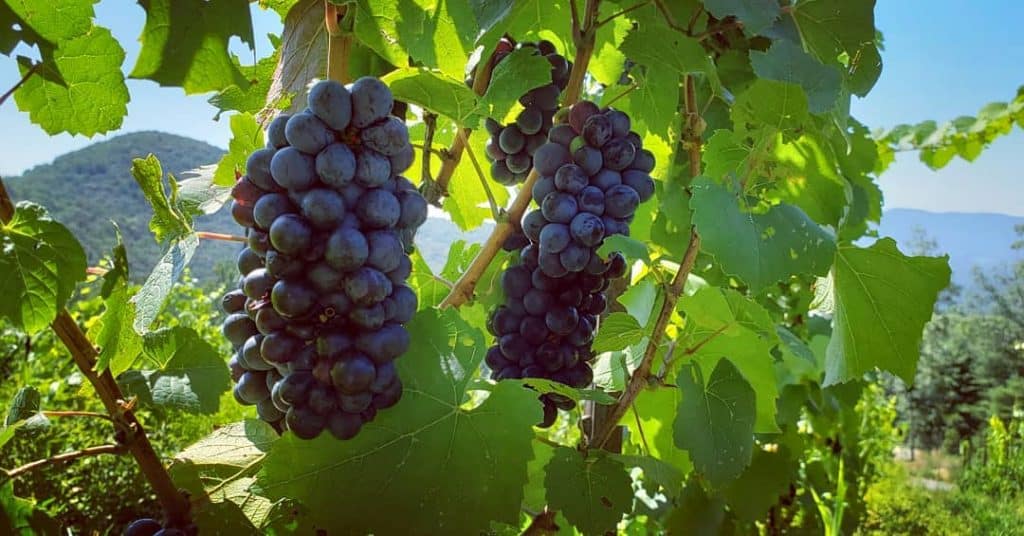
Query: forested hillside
[{"x": 89, "y": 188}]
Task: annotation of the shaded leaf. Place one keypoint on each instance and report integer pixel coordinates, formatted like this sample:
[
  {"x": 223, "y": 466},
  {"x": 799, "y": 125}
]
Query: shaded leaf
[{"x": 592, "y": 492}]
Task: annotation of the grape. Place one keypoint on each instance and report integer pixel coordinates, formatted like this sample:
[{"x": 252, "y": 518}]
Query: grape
[
  {"x": 571, "y": 178},
  {"x": 534, "y": 142},
  {"x": 258, "y": 283},
  {"x": 372, "y": 168},
  {"x": 336, "y": 165},
  {"x": 514, "y": 347},
  {"x": 516, "y": 281},
  {"x": 530, "y": 120},
  {"x": 268, "y": 321},
  {"x": 574, "y": 257},
  {"x": 400, "y": 274},
  {"x": 252, "y": 387},
  {"x": 378, "y": 208},
  {"x": 621, "y": 201},
  {"x": 616, "y": 266},
  {"x": 515, "y": 242},
  {"x": 330, "y": 101},
  {"x": 559, "y": 207},
  {"x": 403, "y": 159},
  {"x": 251, "y": 358},
  {"x": 413, "y": 209},
  {"x": 290, "y": 234},
  {"x": 537, "y": 302},
  {"x": 371, "y": 101},
  {"x": 580, "y": 112},
  {"x": 292, "y": 169},
  {"x": 562, "y": 320},
  {"x": 304, "y": 423},
  {"x": 519, "y": 162},
  {"x": 643, "y": 161},
  {"x": 292, "y": 299},
  {"x": 387, "y": 343},
  {"x": 242, "y": 214},
  {"x": 561, "y": 134},
  {"x": 495, "y": 359},
  {"x": 386, "y": 251},
  {"x": 543, "y": 187},
  {"x": 353, "y": 375},
  {"x": 619, "y": 122},
  {"x": 533, "y": 329},
  {"x": 355, "y": 403},
  {"x": 142, "y": 527},
  {"x": 323, "y": 208},
  {"x": 367, "y": 286},
  {"x": 589, "y": 158},
  {"x": 554, "y": 237},
  {"x": 269, "y": 207},
  {"x": 546, "y": 98},
  {"x": 282, "y": 266},
  {"x": 503, "y": 321},
  {"x": 614, "y": 226},
  {"x": 257, "y": 169},
  {"x": 324, "y": 278},
  {"x": 605, "y": 179},
  {"x": 307, "y": 133},
  {"x": 551, "y": 265},
  {"x": 501, "y": 174},
  {"x": 532, "y": 224},
  {"x": 597, "y": 130},
  {"x": 550, "y": 157},
  {"x": 511, "y": 140},
  {"x": 591, "y": 199},
  {"x": 369, "y": 318},
  {"x": 639, "y": 181},
  {"x": 405, "y": 303},
  {"x": 248, "y": 260},
  {"x": 388, "y": 137},
  {"x": 233, "y": 301},
  {"x": 344, "y": 425},
  {"x": 244, "y": 192},
  {"x": 587, "y": 229},
  {"x": 266, "y": 410},
  {"x": 493, "y": 151},
  {"x": 618, "y": 154}
]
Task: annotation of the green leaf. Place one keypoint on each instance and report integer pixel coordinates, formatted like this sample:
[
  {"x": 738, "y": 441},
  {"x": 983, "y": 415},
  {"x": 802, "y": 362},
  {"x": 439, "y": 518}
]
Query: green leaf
[
  {"x": 26, "y": 403},
  {"x": 654, "y": 104},
  {"x": 757, "y": 15},
  {"x": 519, "y": 72},
  {"x": 93, "y": 97},
  {"x": 806, "y": 176},
  {"x": 715, "y": 422},
  {"x": 767, "y": 103},
  {"x": 630, "y": 248},
  {"x": 185, "y": 43},
  {"x": 832, "y": 27},
  {"x": 760, "y": 249},
  {"x": 593, "y": 492},
  {"x": 662, "y": 48},
  {"x": 466, "y": 467},
  {"x": 723, "y": 155},
  {"x": 888, "y": 297},
  {"x": 168, "y": 223},
  {"x": 40, "y": 264},
  {"x": 438, "y": 35},
  {"x": 466, "y": 203},
  {"x": 759, "y": 487},
  {"x": 698, "y": 512},
  {"x": 189, "y": 374},
  {"x": 524, "y": 19},
  {"x": 21, "y": 517},
  {"x": 149, "y": 300},
  {"x": 119, "y": 345},
  {"x": 663, "y": 474},
  {"x": 656, "y": 410},
  {"x": 787, "y": 62},
  {"x": 246, "y": 137},
  {"x": 435, "y": 92},
  {"x": 251, "y": 96},
  {"x": 236, "y": 445},
  {"x": 618, "y": 331}
]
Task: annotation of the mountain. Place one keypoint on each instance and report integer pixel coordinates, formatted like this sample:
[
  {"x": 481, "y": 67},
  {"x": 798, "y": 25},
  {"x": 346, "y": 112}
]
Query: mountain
[
  {"x": 971, "y": 239},
  {"x": 88, "y": 188}
]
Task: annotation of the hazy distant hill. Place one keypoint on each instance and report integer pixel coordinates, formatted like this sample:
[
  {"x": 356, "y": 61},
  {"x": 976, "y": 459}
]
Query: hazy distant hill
[
  {"x": 88, "y": 188},
  {"x": 971, "y": 239}
]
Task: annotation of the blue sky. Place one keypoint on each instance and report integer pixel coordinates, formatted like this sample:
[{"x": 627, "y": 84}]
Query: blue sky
[{"x": 943, "y": 58}]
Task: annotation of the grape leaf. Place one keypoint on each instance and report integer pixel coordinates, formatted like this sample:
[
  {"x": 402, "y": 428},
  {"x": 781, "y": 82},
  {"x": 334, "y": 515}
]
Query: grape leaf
[
  {"x": 888, "y": 297},
  {"x": 435, "y": 92},
  {"x": 466, "y": 203},
  {"x": 698, "y": 512},
  {"x": 787, "y": 62},
  {"x": 168, "y": 221},
  {"x": 593, "y": 492},
  {"x": 618, "y": 331},
  {"x": 189, "y": 373},
  {"x": 185, "y": 43},
  {"x": 436, "y": 34},
  {"x": 519, "y": 72},
  {"x": 715, "y": 421},
  {"x": 630, "y": 248},
  {"x": 466, "y": 467},
  {"x": 654, "y": 103},
  {"x": 806, "y": 177},
  {"x": 524, "y": 19},
  {"x": 21, "y": 517},
  {"x": 757, "y": 15},
  {"x": 723, "y": 155},
  {"x": 237, "y": 445},
  {"x": 760, "y": 249},
  {"x": 660, "y": 47},
  {"x": 246, "y": 137},
  {"x": 608, "y": 63},
  {"x": 39, "y": 268},
  {"x": 150, "y": 298},
  {"x": 91, "y": 98},
  {"x": 656, "y": 409},
  {"x": 657, "y": 472},
  {"x": 250, "y": 97},
  {"x": 26, "y": 403},
  {"x": 119, "y": 345},
  {"x": 770, "y": 104},
  {"x": 831, "y": 27},
  {"x": 759, "y": 487}
]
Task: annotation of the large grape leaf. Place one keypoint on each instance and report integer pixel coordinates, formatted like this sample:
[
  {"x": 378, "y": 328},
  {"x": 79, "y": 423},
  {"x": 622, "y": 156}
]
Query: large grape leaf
[
  {"x": 149, "y": 300},
  {"x": 466, "y": 203},
  {"x": 462, "y": 467},
  {"x": 759, "y": 487},
  {"x": 250, "y": 97},
  {"x": 168, "y": 221},
  {"x": 651, "y": 428},
  {"x": 593, "y": 492},
  {"x": 698, "y": 512},
  {"x": 806, "y": 176},
  {"x": 519, "y": 72},
  {"x": 179, "y": 370},
  {"x": 723, "y": 155},
  {"x": 780, "y": 106},
  {"x": 787, "y": 62},
  {"x": 757, "y": 15},
  {"x": 654, "y": 104},
  {"x": 40, "y": 263},
  {"x": 760, "y": 249},
  {"x": 436, "y": 34},
  {"x": 246, "y": 137},
  {"x": 715, "y": 421},
  {"x": 185, "y": 43},
  {"x": 882, "y": 301},
  {"x": 435, "y": 92},
  {"x": 21, "y": 517},
  {"x": 90, "y": 95},
  {"x": 618, "y": 331},
  {"x": 523, "y": 19},
  {"x": 831, "y": 27},
  {"x": 112, "y": 333}
]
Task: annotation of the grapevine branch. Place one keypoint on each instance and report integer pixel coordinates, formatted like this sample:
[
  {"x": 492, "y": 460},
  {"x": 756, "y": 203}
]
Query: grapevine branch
[
  {"x": 84, "y": 354},
  {"x": 65, "y": 457},
  {"x": 28, "y": 74},
  {"x": 339, "y": 41},
  {"x": 584, "y": 39},
  {"x": 638, "y": 380},
  {"x": 205, "y": 235},
  {"x": 77, "y": 414}
]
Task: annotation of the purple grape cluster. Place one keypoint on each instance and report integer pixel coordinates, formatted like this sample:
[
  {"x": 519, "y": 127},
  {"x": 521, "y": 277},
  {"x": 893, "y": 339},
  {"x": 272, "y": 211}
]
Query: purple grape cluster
[
  {"x": 317, "y": 320},
  {"x": 511, "y": 146},
  {"x": 594, "y": 174},
  {"x": 151, "y": 527}
]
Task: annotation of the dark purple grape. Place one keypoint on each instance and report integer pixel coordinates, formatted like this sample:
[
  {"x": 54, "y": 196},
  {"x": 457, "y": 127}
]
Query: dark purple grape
[
  {"x": 532, "y": 224},
  {"x": 292, "y": 299},
  {"x": 571, "y": 178},
  {"x": 562, "y": 320},
  {"x": 347, "y": 249},
  {"x": 378, "y": 209},
  {"x": 554, "y": 237},
  {"x": 343, "y": 425},
  {"x": 371, "y": 101},
  {"x": 529, "y": 121},
  {"x": 589, "y": 159},
  {"x": 587, "y": 229},
  {"x": 304, "y": 423},
  {"x": 233, "y": 302},
  {"x": 257, "y": 169},
  {"x": 307, "y": 133},
  {"x": 549, "y": 157},
  {"x": 519, "y": 162},
  {"x": 639, "y": 181},
  {"x": 621, "y": 201},
  {"x": 580, "y": 112},
  {"x": 336, "y": 165},
  {"x": 559, "y": 207},
  {"x": 242, "y": 214},
  {"x": 331, "y": 102},
  {"x": 387, "y": 137},
  {"x": 385, "y": 344},
  {"x": 290, "y": 234},
  {"x": 619, "y": 122},
  {"x": 574, "y": 257},
  {"x": 372, "y": 168},
  {"x": 618, "y": 154},
  {"x": 597, "y": 130}
]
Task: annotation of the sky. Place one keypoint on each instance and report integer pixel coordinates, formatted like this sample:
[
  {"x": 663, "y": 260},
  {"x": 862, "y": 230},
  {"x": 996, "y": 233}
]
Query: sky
[{"x": 942, "y": 59}]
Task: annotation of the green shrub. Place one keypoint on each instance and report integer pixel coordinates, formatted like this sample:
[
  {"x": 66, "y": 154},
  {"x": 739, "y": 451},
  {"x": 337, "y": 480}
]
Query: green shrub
[{"x": 895, "y": 505}]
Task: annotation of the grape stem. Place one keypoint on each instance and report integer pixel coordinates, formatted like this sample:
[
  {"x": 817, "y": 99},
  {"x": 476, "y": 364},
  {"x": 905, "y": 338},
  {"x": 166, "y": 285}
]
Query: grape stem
[
  {"x": 28, "y": 74},
  {"x": 462, "y": 292},
  {"x": 338, "y": 20},
  {"x": 205, "y": 235},
  {"x": 65, "y": 457},
  {"x": 495, "y": 210},
  {"x": 84, "y": 354},
  {"x": 542, "y": 523},
  {"x": 693, "y": 130},
  {"x": 614, "y": 16}
]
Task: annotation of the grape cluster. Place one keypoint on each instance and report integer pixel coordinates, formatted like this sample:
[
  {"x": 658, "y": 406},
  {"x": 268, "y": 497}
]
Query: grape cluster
[
  {"x": 151, "y": 527},
  {"x": 511, "y": 146},
  {"x": 317, "y": 320},
  {"x": 594, "y": 173}
]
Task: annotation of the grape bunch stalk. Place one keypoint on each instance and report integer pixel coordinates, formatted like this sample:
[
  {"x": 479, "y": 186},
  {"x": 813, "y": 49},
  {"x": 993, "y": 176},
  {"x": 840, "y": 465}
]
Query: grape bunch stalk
[
  {"x": 594, "y": 173},
  {"x": 318, "y": 318},
  {"x": 511, "y": 146}
]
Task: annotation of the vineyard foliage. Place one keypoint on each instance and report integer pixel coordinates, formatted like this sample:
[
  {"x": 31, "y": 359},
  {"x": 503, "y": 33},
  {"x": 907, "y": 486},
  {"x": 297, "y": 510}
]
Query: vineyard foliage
[{"x": 758, "y": 299}]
